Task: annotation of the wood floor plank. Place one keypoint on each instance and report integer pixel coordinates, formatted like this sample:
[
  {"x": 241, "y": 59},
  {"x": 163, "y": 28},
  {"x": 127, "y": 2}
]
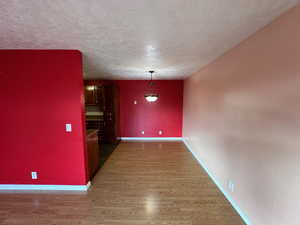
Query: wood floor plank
[{"x": 142, "y": 183}]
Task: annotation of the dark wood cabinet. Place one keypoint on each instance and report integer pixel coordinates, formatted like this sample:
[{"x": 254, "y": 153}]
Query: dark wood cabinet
[
  {"x": 93, "y": 149},
  {"x": 91, "y": 95},
  {"x": 104, "y": 98},
  {"x": 111, "y": 113}
]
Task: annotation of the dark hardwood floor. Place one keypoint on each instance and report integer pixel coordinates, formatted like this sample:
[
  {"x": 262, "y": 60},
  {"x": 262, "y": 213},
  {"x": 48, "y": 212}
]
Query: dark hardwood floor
[{"x": 142, "y": 183}]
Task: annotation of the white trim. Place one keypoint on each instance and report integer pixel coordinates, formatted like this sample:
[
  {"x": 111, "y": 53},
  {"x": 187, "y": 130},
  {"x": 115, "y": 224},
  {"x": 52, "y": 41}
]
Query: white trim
[
  {"x": 88, "y": 185},
  {"x": 151, "y": 138},
  {"x": 45, "y": 187},
  {"x": 232, "y": 202}
]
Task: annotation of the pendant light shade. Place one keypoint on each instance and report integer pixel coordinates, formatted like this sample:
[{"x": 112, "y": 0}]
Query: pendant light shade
[{"x": 151, "y": 97}]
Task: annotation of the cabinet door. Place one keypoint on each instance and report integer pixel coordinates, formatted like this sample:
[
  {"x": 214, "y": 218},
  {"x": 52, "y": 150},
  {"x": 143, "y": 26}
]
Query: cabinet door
[
  {"x": 111, "y": 114},
  {"x": 93, "y": 153},
  {"x": 91, "y": 96}
]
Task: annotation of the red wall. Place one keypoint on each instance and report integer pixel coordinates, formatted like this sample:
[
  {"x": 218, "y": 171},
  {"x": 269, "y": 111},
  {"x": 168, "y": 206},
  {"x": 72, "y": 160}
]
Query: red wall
[
  {"x": 164, "y": 114},
  {"x": 41, "y": 91}
]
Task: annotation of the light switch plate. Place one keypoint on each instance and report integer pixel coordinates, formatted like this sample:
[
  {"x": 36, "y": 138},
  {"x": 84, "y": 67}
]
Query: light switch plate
[
  {"x": 68, "y": 127},
  {"x": 34, "y": 175}
]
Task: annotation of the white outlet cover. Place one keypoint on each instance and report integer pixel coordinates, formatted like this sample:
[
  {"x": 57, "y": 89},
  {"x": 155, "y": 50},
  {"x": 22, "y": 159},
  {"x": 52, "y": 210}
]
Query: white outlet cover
[
  {"x": 34, "y": 175},
  {"x": 160, "y": 132},
  {"x": 68, "y": 127},
  {"x": 142, "y": 132},
  {"x": 135, "y": 102},
  {"x": 231, "y": 186}
]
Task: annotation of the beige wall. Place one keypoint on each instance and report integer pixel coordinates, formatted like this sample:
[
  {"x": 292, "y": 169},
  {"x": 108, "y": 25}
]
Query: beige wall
[{"x": 242, "y": 118}]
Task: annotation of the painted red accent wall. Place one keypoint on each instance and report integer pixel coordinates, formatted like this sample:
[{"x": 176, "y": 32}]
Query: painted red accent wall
[
  {"x": 165, "y": 114},
  {"x": 41, "y": 91}
]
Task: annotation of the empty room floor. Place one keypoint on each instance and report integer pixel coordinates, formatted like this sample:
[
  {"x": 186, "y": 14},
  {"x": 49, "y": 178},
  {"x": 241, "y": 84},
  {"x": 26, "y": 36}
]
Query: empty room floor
[{"x": 142, "y": 183}]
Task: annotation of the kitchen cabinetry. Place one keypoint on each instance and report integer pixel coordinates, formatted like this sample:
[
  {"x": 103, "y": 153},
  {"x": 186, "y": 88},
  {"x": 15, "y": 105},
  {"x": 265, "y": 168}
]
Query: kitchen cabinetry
[
  {"x": 102, "y": 98},
  {"x": 111, "y": 113},
  {"x": 93, "y": 149},
  {"x": 91, "y": 95}
]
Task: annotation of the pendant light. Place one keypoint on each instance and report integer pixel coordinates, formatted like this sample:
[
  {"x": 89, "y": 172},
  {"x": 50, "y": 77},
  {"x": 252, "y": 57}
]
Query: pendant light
[{"x": 151, "y": 97}]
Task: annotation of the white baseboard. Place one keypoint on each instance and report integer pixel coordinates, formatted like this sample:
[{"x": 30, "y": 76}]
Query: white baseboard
[
  {"x": 151, "y": 138},
  {"x": 45, "y": 187},
  {"x": 232, "y": 202}
]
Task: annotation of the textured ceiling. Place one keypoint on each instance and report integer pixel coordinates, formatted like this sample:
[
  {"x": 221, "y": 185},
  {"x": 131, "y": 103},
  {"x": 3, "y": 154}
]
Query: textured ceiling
[{"x": 123, "y": 39}]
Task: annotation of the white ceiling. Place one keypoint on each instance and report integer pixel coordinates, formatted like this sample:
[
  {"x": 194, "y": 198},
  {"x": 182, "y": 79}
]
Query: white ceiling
[{"x": 122, "y": 39}]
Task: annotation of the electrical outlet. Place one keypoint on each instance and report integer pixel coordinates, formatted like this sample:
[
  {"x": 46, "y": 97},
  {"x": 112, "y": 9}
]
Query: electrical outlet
[
  {"x": 34, "y": 176},
  {"x": 142, "y": 132},
  {"x": 135, "y": 102},
  {"x": 160, "y": 132},
  {"x": 231, "y": 186}
]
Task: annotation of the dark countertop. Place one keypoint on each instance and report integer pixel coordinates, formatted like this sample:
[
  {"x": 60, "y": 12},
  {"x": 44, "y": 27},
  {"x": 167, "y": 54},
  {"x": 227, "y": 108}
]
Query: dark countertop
[{"x": 91, "y": 132}]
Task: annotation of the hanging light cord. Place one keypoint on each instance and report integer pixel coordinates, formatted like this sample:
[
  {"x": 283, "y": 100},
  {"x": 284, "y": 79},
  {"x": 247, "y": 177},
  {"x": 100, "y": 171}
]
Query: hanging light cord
[{"x": 151, "y": 82}]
